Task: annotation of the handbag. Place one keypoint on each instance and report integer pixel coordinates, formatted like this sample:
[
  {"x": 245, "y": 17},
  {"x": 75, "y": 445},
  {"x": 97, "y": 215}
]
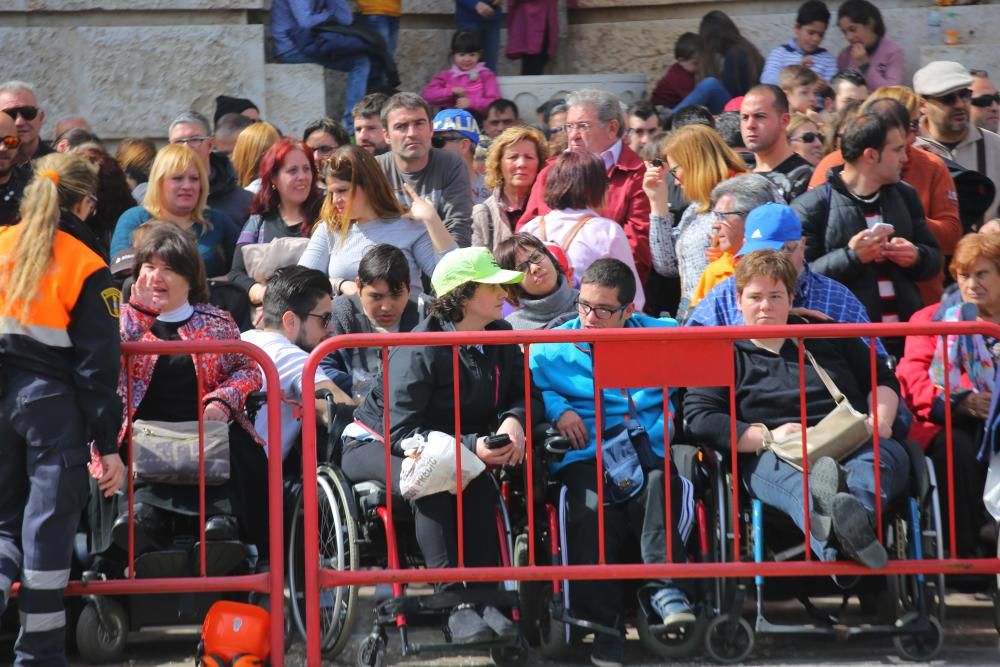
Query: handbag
[
  {"x": 837, "y": 435},
  {"x": 167, "y": 452},
  {"x": 429, "y": 466},
  {"x": 628, "y": 455},
  {"x": 263, "y": 259}
]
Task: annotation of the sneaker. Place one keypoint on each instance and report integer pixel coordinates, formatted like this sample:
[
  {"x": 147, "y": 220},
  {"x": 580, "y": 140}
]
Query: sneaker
[
  {"x": 854, "y": 532},
  {"x": 608, "y": 650},
  {"x": 468, "y": 627},
  {"x": 826, "y": 480},
  {"x": 672, "y": 606},
  {"x": 499, "y": 623}
]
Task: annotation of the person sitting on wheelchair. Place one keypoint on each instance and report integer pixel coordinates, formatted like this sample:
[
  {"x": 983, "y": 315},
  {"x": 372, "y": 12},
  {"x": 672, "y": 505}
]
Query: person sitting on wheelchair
[
  {"x": 470, "y": 296},
  {"x": 767, "y": 398},
  {"x": 563, "y": 372}
]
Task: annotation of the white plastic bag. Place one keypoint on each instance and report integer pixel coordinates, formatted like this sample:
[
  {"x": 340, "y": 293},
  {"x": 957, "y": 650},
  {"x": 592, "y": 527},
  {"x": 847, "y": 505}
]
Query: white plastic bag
[
  {"x": 429, "y": 466},
  {"x": 991, "y": 494}
]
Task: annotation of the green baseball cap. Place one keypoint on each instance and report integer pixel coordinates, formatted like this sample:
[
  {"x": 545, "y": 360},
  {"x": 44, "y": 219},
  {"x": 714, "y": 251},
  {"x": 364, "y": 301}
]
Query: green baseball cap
[{"x": 470, "y": 265}]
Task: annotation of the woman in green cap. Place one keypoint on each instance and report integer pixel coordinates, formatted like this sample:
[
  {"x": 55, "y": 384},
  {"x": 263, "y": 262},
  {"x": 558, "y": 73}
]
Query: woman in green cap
[{"x": 470, "y": 294}]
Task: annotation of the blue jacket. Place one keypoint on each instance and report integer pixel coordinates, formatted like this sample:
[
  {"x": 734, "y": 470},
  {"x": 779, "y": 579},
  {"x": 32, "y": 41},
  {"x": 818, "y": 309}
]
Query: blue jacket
[
  {"x": 287, "y": 16},
  {"x": 564, "y": 373},
  {"x": 466, "y": 15},
  {"x": 215, "y": 244}
]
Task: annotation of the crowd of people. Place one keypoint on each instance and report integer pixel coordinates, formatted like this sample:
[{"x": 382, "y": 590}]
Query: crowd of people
[{"x": 801, "y": 187}]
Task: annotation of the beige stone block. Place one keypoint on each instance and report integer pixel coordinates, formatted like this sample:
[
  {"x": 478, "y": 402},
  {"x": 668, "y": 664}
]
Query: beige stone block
[
  {"x": 295, "y": 96},
  {"x": 135, "y": 5}
]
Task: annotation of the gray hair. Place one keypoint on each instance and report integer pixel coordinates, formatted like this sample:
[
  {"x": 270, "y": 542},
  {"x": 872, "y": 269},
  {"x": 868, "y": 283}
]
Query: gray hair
[
  {"x": 191, "y": 118},
  {"x": 748, "y": 192},
  {"x": 607, "y": 106},
  {"x": 408, "y": 101},
  {"x": 16, "y": 86}
]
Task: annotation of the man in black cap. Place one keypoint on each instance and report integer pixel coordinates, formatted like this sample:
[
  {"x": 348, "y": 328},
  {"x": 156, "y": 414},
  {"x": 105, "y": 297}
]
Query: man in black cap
[{"x": 225, "y": 104}]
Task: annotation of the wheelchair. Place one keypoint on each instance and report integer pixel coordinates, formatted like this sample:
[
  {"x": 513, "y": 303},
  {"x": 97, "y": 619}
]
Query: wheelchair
[
  {"x": 908, "y": 608},
  {"x": 356, "y": 531},
  {"x": 547, "y": 608}
]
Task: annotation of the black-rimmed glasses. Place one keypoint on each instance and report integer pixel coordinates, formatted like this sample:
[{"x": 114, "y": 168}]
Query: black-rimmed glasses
[
  {"x": 324, "y": 319},
  {"x": 600, "y": 312}
]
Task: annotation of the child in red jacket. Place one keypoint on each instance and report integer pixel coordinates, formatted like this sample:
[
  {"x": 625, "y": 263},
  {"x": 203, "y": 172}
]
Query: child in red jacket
[{"x": 468, "y": 83}]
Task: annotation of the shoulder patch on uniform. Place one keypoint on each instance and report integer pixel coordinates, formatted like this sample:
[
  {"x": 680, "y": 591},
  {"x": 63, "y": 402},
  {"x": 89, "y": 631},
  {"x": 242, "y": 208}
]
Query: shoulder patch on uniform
[{"x": 112, "y": 298}]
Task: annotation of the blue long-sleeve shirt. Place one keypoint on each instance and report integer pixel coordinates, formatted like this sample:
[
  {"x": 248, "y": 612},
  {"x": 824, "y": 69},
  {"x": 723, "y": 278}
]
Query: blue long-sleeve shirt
[
  {"x": 564, "y": 372},
  {"x": 290, "y": 15}
]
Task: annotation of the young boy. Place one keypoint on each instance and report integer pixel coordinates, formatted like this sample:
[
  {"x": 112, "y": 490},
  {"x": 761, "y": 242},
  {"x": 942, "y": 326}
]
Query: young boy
[
  {"x": 799, "y": 85},
  {"x": 810, "y": 28},
  {"x": 679, "y": 79}
]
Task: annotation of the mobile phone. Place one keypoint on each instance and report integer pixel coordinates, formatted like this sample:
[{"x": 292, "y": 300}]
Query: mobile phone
[
  {"x": 497, "y": 441},
  {"x": 656, "y": 162},
  {"x": 883, "y": 229}
]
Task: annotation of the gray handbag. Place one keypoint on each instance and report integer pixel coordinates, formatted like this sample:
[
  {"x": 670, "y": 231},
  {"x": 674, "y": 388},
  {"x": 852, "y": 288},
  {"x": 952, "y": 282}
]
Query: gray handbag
[{"x": 167, "y": 452}]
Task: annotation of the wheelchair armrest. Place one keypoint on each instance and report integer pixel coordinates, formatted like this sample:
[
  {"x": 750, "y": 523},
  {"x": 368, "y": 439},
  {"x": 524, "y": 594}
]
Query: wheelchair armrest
[{"x": 554, "y": 445}]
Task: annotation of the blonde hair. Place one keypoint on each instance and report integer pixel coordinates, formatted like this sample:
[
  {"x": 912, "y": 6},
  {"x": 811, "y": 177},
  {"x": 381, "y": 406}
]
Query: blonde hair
[
  {"x": 901, "y": 94},
  {"x": 251, "y": 144},
  {"x": 494, "y": 159},
  {"x": 136, "y": 154},
  {"x": 797, "y": 121},
  {"x": 706, "y": 160},
  {"x": 174, "y": 159},
  {"x": 60, "y": 182}
]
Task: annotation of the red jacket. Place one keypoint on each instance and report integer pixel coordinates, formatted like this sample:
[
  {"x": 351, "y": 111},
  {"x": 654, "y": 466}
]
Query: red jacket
[
  {"x": 915, "y": 384},
  {"x": 624, "y": 202}
]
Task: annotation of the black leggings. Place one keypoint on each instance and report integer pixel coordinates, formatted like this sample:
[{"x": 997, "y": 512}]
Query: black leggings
[
  {"x": 435, "y": 515},
  {"x": 970, "y": 479}
]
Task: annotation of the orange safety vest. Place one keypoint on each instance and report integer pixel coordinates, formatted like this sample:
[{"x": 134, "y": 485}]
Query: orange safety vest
[{"x": 48, "y": 317}]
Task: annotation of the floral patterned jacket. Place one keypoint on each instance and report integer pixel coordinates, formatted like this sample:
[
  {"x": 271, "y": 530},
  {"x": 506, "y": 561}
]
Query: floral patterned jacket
[{"x": 228, "y": 378}]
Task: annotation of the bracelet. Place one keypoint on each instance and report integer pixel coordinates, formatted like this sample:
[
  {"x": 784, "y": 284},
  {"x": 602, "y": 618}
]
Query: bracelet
[{"x": 340, "y": 284}]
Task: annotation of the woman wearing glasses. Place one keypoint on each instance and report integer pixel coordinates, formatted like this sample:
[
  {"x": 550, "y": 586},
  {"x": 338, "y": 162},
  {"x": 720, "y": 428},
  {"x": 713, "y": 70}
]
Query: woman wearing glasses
[
  {"x": 546, "y": 294},
  {"x": 360, "y": 211},
  {"x": 178, "y": 194},
  {"x": 806, "y": 139},
  {"x": 286, "y": 205}
]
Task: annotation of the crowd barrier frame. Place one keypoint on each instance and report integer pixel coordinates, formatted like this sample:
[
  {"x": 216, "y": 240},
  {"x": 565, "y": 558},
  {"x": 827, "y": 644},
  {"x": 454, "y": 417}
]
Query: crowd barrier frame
[
  {"x": 670, "y": 357},
  {"x": 272, "y": 582}
]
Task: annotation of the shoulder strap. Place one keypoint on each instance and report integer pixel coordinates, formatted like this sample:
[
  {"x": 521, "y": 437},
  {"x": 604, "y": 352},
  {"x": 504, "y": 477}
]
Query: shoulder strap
[
  {"x": 541, "y": 229},
  {"x": 981, "y": 155},
  {"x": 573, "y": 232},
  {"x": 827, "y": 380}
]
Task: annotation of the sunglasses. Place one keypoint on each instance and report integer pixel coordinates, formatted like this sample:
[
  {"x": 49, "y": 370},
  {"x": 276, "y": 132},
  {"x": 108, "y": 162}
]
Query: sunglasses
[
  {"x": 809, "y": 137},
  {"x": 10, "y": 142},
  {"x": 985, "y": 100},
  {"x": 951, "y": 98},
  {"x": 439, "y": 140},
  {"x": 27, "y": 113}
]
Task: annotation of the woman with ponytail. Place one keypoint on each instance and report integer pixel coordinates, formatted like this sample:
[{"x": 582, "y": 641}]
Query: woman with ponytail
[
  {"x": 360, "y": 212},
  {"x": 59, "y": 357}
]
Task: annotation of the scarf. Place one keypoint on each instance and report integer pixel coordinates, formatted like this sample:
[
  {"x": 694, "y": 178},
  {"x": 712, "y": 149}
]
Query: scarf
[
  {"x": 535, "y": 313},
  {"x": 966, "y": 354}
]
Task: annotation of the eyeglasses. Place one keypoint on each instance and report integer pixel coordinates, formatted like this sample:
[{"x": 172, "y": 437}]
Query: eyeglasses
[
  {"x": 809, "y": 137},
  {"x": 191, "y": 141},
  {"x": 673, "y": 170},
  {"x": 915, "y": 125},
  {"x": 439, "y": 140},
  {"x": 536, "y": 258},
  {"x": 27, "y": 113},
  {"x": 721, "y": 215},
  {"x": 324, "y": 319},
  {"x": 952, "y": 98},
  {"x": 583, "y": 126},
  {"x": 10, "y": 142},
  {"x": 324, "y": 150},
  {"x": 600, "y": 312},
  {"x": 985, "y": 100},
  {"x": 92, "y": 198}
]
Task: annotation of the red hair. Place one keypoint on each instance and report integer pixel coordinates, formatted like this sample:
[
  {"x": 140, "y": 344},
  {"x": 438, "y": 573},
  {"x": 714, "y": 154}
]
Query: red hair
[{"x": 266, "y": 201}]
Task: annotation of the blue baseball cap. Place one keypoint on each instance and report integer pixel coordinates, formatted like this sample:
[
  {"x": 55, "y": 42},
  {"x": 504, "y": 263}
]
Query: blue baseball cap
[
  {"x": 457, "y": 120},
  {"x": 770, "y": 227}
]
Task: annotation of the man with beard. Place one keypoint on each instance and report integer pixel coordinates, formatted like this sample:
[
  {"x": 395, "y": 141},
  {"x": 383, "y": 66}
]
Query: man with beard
[
  {"x": 368, "y": 130},
  {"x": 298, "y": 312},
  {"x": 764, "y": 118},
  {"x": 12, "y": 180},
  {"x": 17, "y": 100},
  {"x": 945, "y": 88}
]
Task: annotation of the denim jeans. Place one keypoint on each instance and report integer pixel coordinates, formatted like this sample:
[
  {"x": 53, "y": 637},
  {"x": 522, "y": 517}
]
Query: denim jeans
[
  {"x": 489, "y": 35},
  {"x": 779, "y": 485},
  {"x": 388, "y": 28},
  {"x": 709, "y": 93}
]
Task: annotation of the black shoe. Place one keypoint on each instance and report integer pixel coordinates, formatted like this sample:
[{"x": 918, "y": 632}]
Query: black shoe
[
  {"x": 853, "y": 531},
  {"x": 500, "y": 624},
  {"x": 221, "y": 528},
  {"x": 608, "y": 650},
  {"x": 826, "y": 480},
  {"x": 150, "y": 530},
  {"x": 468, "y": 627}
]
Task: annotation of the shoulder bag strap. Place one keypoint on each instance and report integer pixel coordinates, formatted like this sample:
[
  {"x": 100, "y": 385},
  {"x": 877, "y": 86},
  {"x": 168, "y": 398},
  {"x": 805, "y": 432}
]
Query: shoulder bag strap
[
  {"x": 981, "y": 155},
  {"x": 541, "y": 229},
  {"x": 573, "y": 232},
  {"x": 831, "y": 387}
]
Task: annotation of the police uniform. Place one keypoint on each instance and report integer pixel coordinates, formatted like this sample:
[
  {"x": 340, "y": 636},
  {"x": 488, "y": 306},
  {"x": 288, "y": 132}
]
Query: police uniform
[{"x": 58, "y": 375}]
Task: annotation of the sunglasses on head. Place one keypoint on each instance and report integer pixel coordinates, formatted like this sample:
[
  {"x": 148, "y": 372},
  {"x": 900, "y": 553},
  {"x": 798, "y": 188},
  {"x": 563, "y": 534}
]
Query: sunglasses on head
[
  {"x": 27, "y": 113},
  {"x": 951, "y": 98},
  {"x": 10, "y": 142},
  {"x": 809, "y": 137},
  {"x": 985, "y": 100}
]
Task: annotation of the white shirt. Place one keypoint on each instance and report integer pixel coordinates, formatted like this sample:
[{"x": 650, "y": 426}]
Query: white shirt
[
  {"x": 289, "y": 359},
  {"x": 611, "y": 155}
]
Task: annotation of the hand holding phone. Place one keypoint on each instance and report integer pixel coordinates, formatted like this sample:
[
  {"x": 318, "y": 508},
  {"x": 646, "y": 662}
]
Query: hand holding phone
[
  {"x": 883, "y": 230},
  {"x": 497, "y": 441}
]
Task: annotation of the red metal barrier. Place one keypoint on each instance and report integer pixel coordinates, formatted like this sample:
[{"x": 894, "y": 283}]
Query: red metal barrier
[
  {"x": 670, "y": 357},
  {"x": 271, "y": 582}
]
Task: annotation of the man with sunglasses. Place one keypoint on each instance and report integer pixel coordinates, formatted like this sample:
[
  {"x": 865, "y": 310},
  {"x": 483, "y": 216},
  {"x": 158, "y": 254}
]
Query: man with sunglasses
[
  {"x": 298, "y": 316},
  {"x": 985, "y": 102},
  {"x": 456, "y": 131},
  {"x": 12, "y": 179},
  {"x": 17, "y": 100},
  {"x": 947, "y": 129}
]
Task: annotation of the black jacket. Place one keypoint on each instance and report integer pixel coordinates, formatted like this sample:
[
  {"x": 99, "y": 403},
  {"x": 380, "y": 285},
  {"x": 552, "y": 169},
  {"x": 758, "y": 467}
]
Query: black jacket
[
  {"x": 491, "y": 384},
  {"x": 830, "y": 217},
  {"x": 224, "y": 191}
]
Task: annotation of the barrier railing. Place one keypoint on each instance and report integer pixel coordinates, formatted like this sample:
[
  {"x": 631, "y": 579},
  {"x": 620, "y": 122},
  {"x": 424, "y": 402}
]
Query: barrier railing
[
  {"x": 271, "y": 582},
  {"x": 623, "y": 358}
]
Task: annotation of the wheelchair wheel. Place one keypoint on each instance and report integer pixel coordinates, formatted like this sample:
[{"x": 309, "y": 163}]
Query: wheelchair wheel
[
  {"x": 510, "y": 656},
  {"x": 682, "y": 644},
  {"x": 922, "y": 646},
  {"x": 729, "y": 640},
  {"x": 530, "y": 594},
  {"x": 101, "y": 635},
  {"x": 338, "y": 550}
]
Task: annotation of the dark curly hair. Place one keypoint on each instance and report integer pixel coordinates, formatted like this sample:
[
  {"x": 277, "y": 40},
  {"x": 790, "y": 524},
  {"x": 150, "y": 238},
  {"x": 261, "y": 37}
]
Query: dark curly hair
[{"x": 451, "y": 306}]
